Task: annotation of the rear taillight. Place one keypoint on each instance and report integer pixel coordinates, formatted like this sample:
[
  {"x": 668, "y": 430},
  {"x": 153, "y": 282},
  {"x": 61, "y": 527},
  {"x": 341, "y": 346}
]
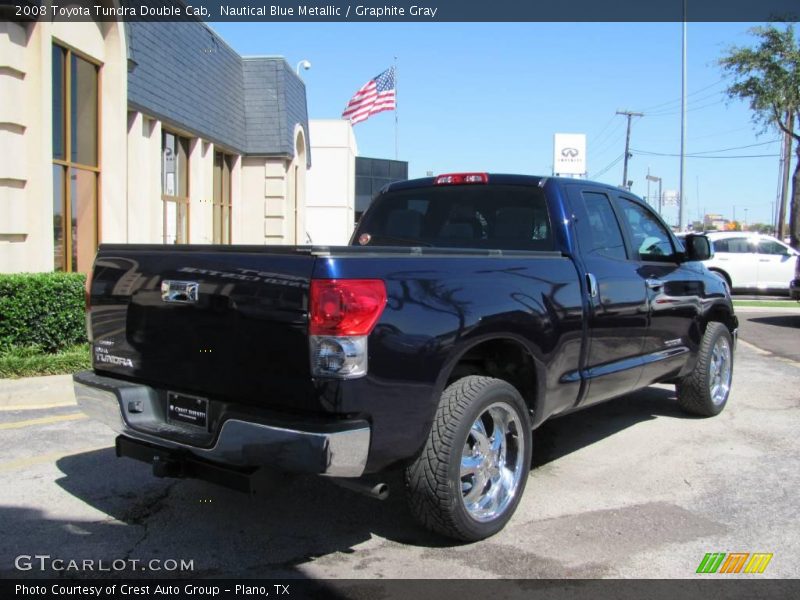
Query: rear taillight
[
  {"x": 345, "y": 306},
  {"x": 459, "y": 178},
  {"x": 342, "y": 313}
]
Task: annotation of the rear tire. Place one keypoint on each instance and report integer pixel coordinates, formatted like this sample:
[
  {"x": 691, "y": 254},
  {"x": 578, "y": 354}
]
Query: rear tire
[
  {"x": 704, "y": 391},
  {"x": 469, "y": 477}
]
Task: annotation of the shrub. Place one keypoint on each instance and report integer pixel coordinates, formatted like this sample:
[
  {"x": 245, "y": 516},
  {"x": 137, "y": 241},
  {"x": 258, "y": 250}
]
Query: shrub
[
  {"x": 43, "y": 310},
  {"x": 30, "y": 362}
]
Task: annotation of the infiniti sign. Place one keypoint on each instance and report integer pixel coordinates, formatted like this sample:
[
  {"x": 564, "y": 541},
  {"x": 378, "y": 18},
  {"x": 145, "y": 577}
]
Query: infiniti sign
[{"x": 569, "y": 154}]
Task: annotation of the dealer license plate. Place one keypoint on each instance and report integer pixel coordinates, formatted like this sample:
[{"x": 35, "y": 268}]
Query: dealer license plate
[{"x": 187, "y": 409}]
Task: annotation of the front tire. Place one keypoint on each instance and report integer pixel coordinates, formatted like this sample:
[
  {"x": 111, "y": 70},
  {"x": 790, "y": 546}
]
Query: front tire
[
  {"x": 705, "y": 390},
  {"x": 468, "y": 479}
]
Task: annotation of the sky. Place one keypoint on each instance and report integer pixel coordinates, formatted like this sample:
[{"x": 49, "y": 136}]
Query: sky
[{"x": 490, "y": 96}]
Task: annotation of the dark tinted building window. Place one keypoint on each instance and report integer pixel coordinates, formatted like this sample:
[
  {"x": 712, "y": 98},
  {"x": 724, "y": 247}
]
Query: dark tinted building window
[{"x": 374, "y": 173}]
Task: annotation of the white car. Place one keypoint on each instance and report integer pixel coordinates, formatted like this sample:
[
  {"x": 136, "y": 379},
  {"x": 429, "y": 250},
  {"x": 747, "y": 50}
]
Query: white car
[{"x": 752, "y": 261}]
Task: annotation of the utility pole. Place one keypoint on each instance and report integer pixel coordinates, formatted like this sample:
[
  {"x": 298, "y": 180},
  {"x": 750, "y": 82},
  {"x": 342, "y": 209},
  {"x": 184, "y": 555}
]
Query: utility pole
[
  {"x": 786, "y": 157},
  {"x": 683, "y": 119},
  {"x": 628, "y": 114}
]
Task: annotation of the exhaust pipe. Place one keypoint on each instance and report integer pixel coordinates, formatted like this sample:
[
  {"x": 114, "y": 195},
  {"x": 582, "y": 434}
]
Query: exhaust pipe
[{"x": 379, "y": 491}]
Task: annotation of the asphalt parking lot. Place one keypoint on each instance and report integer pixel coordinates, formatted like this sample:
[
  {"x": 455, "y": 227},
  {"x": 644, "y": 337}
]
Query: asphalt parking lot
[
  {"x": 631, "y": 488},
  {"x": 777, "y": 331}
]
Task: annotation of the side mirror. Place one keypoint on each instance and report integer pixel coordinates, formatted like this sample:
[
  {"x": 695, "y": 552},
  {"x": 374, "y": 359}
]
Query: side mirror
[{"x": 698, "y": 247}]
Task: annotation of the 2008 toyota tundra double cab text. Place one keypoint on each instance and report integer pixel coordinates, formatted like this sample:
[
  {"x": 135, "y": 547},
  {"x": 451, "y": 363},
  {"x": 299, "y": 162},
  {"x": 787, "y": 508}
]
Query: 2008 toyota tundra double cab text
[{"x": 468, "y": 309}]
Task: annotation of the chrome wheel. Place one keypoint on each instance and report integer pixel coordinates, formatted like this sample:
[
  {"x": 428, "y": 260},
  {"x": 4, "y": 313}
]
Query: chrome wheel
[
  {"x": 492, "y": 462},
  {"x": 719, "y": 371}
]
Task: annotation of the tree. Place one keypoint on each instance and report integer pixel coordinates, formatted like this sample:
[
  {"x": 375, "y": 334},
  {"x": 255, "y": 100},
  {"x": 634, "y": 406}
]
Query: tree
[
  {"x": 733, "y": 226},
  {"x": 767, "y": 76}
]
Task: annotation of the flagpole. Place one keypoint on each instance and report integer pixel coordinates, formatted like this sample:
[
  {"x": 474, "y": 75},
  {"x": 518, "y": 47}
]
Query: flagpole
[{"x": 396, "y": 146}]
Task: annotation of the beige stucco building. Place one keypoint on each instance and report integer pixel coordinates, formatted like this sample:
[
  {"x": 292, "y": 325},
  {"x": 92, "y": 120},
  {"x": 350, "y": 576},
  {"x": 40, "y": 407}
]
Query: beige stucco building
[{"x": 143, "y": 133}]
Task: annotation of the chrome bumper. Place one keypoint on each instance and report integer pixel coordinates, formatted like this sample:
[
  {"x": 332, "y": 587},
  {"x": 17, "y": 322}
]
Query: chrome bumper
[{"x": 238, "y": 443}]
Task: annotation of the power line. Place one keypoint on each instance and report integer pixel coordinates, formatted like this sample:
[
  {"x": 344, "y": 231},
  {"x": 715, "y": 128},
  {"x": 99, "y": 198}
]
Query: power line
[
  {"x": 599, "y": 133},
  {"x": 719, "y": 133},
  {"x": 646, "y": 153},
  {"x": 702, "y": 89},
  {"x": 701, "y": 152},
  {"x": 694, "y": 101},
  {"x": 602, "y": 141},
  {"x": 609, "y": 166},
  {"x": 737, "y": 147},
  {"x": 611, "y": 142},
  {"x": 677, "y": 112}
]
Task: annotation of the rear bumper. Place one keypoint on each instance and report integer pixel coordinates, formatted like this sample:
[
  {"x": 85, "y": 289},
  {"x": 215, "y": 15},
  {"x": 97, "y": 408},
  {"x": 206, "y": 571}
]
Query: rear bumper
[{"x": 336, "y": 448}]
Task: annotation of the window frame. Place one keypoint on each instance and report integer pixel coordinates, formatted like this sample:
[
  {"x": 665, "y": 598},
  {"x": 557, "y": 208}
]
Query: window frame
[
  {"x": 180, "y": 200},
  {"x": 228, "y": 160},
  {"x": 627, "y": 233},
  {"x": 623, "y": 232},
  {"x": 66, "y": 163}
]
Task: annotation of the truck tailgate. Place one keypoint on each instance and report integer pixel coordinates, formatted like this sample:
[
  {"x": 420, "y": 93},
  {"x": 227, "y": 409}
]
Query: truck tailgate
[{"x": 227, "y": 323}]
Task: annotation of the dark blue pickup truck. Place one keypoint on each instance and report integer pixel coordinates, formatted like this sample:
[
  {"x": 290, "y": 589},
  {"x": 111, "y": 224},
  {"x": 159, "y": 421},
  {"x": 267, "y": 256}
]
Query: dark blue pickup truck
[{"x": 468, "y": 309}]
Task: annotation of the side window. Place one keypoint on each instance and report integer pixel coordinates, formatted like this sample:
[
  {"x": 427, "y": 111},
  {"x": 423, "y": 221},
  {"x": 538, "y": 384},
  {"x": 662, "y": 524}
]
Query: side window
[
  {"x": 648, "y": 236},
  {"x": 721, "y": 246},
  {"x": 738, "y": 245},
  {"x": 601, "y": 235},
  {"x": 772, "y": 247}
]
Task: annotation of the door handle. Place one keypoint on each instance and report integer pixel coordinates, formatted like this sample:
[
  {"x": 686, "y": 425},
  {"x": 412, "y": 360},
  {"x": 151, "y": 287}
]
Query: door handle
[
  {"x": 654, "y": 284},
  {"x": 591, "y": 284}
]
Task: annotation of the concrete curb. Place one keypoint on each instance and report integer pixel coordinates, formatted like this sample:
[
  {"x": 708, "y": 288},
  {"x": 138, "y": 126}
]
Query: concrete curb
[
  {"x": 36, "y": 392},
  {"x": 789, "y": 310}
]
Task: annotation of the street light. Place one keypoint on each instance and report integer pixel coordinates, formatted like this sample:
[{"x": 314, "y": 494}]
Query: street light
[
  {"x": 306, "y": 65},
  {"x": 658, "y": 179}
]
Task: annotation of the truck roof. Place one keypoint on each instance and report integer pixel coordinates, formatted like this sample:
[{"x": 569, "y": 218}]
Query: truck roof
[{"x": 494, "y": 178}]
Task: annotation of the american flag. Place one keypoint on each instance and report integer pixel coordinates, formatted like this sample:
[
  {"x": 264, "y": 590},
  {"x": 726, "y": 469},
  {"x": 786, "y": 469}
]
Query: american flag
[{"x": 375, "y": 96}]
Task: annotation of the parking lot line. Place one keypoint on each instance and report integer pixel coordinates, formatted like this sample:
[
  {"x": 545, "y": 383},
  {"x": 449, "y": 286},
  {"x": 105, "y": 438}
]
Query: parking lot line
[
  {"x": 43, "y": 421},
  {"x": 24, "y": 463},
  {"x": 31, "y": 406}
]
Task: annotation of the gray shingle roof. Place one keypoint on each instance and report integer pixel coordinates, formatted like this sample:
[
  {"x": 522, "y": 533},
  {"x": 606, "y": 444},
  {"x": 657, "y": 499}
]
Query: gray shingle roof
[
  {"x": 275, "y": 101},
  {"x": 187, "y": 76}
]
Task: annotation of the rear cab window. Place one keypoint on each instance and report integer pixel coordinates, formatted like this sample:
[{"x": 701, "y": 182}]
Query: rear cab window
[{"x": 505, "y": 217}]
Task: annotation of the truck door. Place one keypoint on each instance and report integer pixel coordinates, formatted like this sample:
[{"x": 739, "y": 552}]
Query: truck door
[
  {"x": 674, "y": 288},
  {"x": 617, "y": 298}
]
